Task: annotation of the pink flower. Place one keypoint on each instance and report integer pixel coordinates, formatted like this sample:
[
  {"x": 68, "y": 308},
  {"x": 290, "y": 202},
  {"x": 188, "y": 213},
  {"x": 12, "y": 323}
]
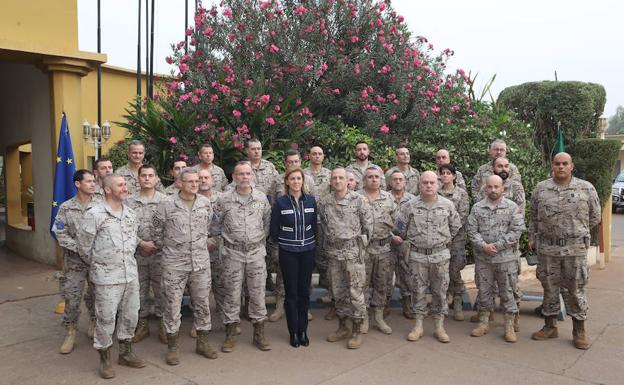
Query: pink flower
[
  {"x": 188, "y": 31},
  {"x": 354, "y": 39},
  {"x": 294, "y": 146},
  {"x": 169, "y": 60},
  {"x": 249, "y": 82},
  {"x": 273, "y": 48},
  {"x": 455, "y": 108},
  {"x": 183, "y": 68},
  {"x": 357, "y": 69},
  {"x": 270, "y": 120},
  {"x": 336, "y": 91},
  {"x": 173, "y": 140},
  {"x": 435, "y": 109},
  {"x": 300, "y": 10},
  {"x": 382, "y": 6},
  {"x": 307, "y": 67},
  {"x": 208, "y": 32},
  {"x": 265, "y": 98},
  {"x": 236, "y": 113},
  {"x": 384, "y": 129},
  {"x": 308, "y": 122},
  {"x": 227, "y": 13},
  {"x": 232, "y": 37}
]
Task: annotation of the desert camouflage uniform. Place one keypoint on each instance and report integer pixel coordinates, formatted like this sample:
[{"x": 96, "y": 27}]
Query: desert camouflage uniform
[
  {"x": 514, "y": 191},
  {"x": 487, "y": 169},
  {"x": 216, "y": 264},
  {"x": 501, "y": 224},
  {"x": 172, "y": 189},
  {"x": 459, "y": 181},
  {"x": 98, "y": 195},
  {"x": 219, "y": 180},
  {"x": 107, "y": 240},
  {"x": 412, "y": 177},
  {"x": 132, "y": 179},
  {"x": 379, "y": 257},
  {"x": 359, "y": 173},
  {"x": 150, "y": 267},
  {"x": 75, "y": 269},
  {"x": 243, "y": 222},
  {"x": 429, "y": 229},
  {"x": 401, "y": 256},
  {"x": 182, "y": 236},
  {"x": 461, "y": 200},
  {"x": 346, "y": 224},
  {"x": 562, "y": 218}
]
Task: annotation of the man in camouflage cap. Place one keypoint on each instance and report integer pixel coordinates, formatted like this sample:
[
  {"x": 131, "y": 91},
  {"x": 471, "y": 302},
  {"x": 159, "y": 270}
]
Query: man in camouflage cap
[
  {"x": 563, "y": 211},
  {"x": 144, "y": 204},
  {"x": 242, "y": 218},
  {"x": 494, "y": 226},
  {"x": 75, "y": 270},
  {"x": 107, "y": 241},
  {"x": 180, "y": 231},
  {"x": 429, "y": 222},
  {"x": 346, "y": 222}
]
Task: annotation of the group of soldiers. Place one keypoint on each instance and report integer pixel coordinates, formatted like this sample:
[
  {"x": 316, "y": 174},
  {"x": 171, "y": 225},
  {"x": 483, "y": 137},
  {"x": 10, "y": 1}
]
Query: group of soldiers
[{"x": 128, "y": 239}]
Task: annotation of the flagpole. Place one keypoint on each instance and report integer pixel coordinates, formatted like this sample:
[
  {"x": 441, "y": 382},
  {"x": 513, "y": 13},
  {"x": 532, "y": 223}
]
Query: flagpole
[
  {"x": 147, "y": 48},
  {"x": 138, "y": 76},
  {"x": 151, "y": 92},
  {"x": 99, "y": 75},
  {"x": 185, "y": 26}
]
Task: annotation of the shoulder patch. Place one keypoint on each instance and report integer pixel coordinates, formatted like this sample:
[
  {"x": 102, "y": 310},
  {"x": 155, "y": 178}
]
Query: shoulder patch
[{"x": 60, "y": 225}]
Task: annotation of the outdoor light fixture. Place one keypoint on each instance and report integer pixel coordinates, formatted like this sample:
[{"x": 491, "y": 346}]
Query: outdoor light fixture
[{"x": 96, "y": 135}]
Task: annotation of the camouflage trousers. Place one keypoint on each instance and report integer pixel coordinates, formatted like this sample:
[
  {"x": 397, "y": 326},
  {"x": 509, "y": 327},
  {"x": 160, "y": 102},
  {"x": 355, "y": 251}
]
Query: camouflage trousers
[
  {"x": 379, "y": 274},
  {"x": 348, "y": 279},
  {"x": 458, "y": 262},
  {"x": 274, "y": 267},
  {"x": 569, "y": 273},
  {"x": 72, "y": 285},
  {"x": 115, "y": 304},
  {"x": 400, "y": 254},
  {"x": 490, "y": 275},
  {"x": 425, "y": 275},
  {"x": 216, "y": 270},
  {"x": 150, "y": 277},
  {"x": 173, "y": 284},
  {"x": 237, "y": 273},
  {"x": 322, "y": 265}
]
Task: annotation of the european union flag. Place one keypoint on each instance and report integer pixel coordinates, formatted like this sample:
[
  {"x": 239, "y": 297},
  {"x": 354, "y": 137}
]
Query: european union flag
[{"x": 64, "y": 187}]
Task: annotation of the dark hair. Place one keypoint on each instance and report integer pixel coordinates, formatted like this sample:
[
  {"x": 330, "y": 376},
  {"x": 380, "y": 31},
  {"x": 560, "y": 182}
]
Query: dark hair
[
  {"x": 448, "y": 166},
  {"x": 292, "y": 171},
  {"x": 144, "y": 166},
  {"x": 360, "y": 142},
  {"x": 292, "y": 152},
  {"x": 79, "y": 174},
  {"x": 174, "y": 162},
  {"x": 101, "y": 159},
  {"x": 497, "y": 158},
  {"x": 205, "y": 145}
]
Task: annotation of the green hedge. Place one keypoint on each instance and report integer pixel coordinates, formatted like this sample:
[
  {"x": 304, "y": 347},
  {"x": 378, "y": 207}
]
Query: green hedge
[{"x": 594, "y": 160}]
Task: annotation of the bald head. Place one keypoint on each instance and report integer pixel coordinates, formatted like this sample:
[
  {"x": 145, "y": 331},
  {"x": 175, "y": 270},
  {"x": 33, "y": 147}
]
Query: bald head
[
  {"x": 562, "y": 167},
  {"x": 494, "y": 188},
  {"x": 428, "y": 185},
  {"x": 442, "y": 157}
]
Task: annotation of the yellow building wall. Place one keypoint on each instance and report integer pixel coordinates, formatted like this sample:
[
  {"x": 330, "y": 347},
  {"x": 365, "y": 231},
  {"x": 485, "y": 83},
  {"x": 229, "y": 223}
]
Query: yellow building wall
[{"x": 39, "y": 25}]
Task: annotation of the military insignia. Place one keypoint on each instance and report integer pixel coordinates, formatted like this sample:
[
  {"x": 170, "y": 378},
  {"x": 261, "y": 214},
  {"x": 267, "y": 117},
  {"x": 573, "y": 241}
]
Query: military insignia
[
  {"x": 400, "y": 225},
  {"x": 60, "y": 225}
]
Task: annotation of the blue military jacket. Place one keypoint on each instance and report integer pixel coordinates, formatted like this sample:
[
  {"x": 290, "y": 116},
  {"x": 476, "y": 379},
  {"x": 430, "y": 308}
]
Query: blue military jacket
[{"x": 293, "y": 223}]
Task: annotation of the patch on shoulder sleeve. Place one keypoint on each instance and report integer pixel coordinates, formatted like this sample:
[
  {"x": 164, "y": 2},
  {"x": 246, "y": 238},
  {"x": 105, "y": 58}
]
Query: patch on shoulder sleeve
[{"x": 60, "y": 225}]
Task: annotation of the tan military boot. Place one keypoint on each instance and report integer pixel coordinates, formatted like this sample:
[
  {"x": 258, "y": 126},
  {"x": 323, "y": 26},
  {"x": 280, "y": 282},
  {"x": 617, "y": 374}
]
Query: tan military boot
[
  {"x": 356, "y": 338},
  {"x": 475, "y": 317},
  {"x": 458, "y": 308},
  {"x": 548, "y": 331},
  {"x": 406, "y": 302},
  {"x": 279, "y": 310},
  {"x": 70, "y": 340},
  {"x": 331, "y": 314},
  {"x": 238, "y": 331},
  {"x": 193, "y": 332},
  {"x": 91, "y": 329},
  {"x": 386, "y": 312},
  {"x": 202, "y": 346},
  {"x": 510, "y": 334},
  {"x": 365, "y": 324},
  {"x": 516, "y": 323},
  {"x": 380, "y": 322},
  {"x": 230, "y": 338},
  {"x": 106, "y": 369},
  {"x": 439, "y": 331},
  {"x": 578, "y": 334},
  {"x": 341, "y": 333},
  {"x": 162, "y": 332},
  {"x": 173, "y": 354},
  {"x": 417, "y": 331},
  {"x": 258, "y": 337},
  {"x": 142, "y": 330},
  {"x": 484, "y": 324},
  {"x": 127, "y": 356}
]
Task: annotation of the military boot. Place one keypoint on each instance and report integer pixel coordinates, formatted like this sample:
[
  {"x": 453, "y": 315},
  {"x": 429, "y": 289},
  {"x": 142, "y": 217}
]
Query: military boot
[
  {"x": 406, "y": 303},
  {"x": 439, "y": 331},
  {"x": 578, "y": 334},
  {"x": 381, "y": 323},
  {"x": 70, "y": 340},
  {"x": 516, "y": 322},
  {"x": 162, "y": 332},
  {"x": 193, "y": 332},
  {"x": 484, "y": 324},
  {"x": 548, "y": 331},
  {"x": 331, "y": 314},
  {"x": 173, "y": 354},
  {"x": 142, "y": 330},
  {"x": 386, "y": 312},
  {"x": 475, "y": 317},
  {"x": 279, "y": 310},
  {"x": 356, "y": 338},
  {"x": 230, "y": 338},
  {"x": 510, "y": 334},
  {"x": 365, "y": 324},
  {"x": 202, "y": 346},
  {"x": 458, "y": 308},
  {"x": 258, "y": 337},
  {"x": 417, "y": 331},
  {"x": 127, "y": 356},
  {"x": 91, "y": 329},
  {"x": 106, "y": 369},
  {"x": 341, "y": 333}
]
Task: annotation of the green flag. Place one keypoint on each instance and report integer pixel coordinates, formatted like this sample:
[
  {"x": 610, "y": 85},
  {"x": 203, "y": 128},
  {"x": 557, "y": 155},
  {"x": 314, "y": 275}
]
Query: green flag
[{"x": 559, "y": 147}]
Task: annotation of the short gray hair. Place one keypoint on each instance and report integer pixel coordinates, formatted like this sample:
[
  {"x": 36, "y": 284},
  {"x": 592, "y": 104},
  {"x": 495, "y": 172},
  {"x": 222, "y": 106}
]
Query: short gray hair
[
  {"x": 108, "y": 179},
  {"x": 498, "y": 141},
  {"x": 135, "y": 143},
  {"x": 186, "y": 170}
]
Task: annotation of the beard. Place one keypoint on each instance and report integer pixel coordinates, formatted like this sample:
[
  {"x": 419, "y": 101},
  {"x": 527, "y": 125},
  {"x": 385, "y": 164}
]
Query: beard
[{"x": 503, "y": 175}]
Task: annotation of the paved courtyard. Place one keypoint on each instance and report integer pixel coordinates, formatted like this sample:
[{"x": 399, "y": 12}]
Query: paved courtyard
[{"x": 31, "y": 334}]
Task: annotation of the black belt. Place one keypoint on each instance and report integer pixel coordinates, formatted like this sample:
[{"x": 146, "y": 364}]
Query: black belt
[
  {"x": 381, "y": 242},
  {"x": 563, "y": 241},
  {"x": 428, "y": 251},
  {"x": 341, "y": 244},
  {"x": 242, "y": 247}
]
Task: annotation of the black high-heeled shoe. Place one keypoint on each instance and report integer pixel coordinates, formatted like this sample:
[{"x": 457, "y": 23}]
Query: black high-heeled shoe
[
  {"x": 294, "y": 340},
  {"x": 303, "y": 339}
]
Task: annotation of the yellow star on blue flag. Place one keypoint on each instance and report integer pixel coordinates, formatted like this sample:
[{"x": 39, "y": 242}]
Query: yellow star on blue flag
[{"x": 64, "y": 187}]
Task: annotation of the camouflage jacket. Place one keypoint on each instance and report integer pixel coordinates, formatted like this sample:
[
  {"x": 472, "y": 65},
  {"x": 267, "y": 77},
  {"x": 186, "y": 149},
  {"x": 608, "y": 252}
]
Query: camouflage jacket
[
  {"x": 320, "y": 181},
  {"x": 459, "y": 181},
  {"x": 145, "y": 208},
  {"x": 412, "y": 177},
  {"x": 486, "y": 170},
  {"x": 68, "y": 221},
  {"x": 359, "y": 173},
  {"x": 219, "y": 180},
  {"x": 385, "y": 211},
  {"x": 514, "y": 191}
]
